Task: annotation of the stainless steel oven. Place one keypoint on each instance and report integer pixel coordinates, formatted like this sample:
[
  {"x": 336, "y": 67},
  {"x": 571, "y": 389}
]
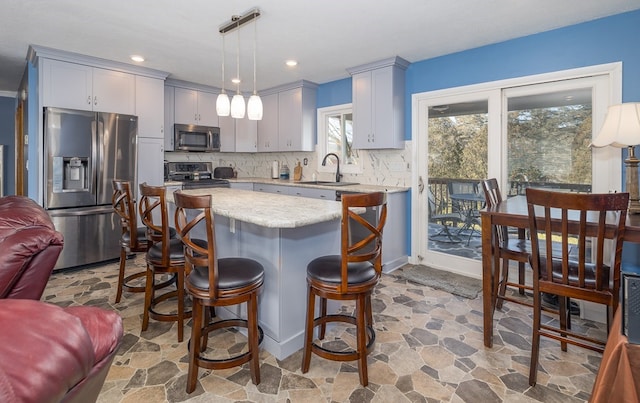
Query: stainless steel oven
[{"x": 196, "y": 138}]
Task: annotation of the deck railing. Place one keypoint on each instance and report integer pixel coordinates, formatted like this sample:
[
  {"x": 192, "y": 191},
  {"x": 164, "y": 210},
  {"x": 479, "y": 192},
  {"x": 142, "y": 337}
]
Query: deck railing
[{"x": 439, "y": 188}]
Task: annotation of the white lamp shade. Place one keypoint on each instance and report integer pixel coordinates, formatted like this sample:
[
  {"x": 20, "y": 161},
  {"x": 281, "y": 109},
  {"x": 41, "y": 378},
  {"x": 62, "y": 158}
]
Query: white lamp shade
[
  {"x": 254, "y": 107},
  {"x": 621, "y": 127},
  {"x": 237, "y": 106},
  {"x": 223, "y": 106}
]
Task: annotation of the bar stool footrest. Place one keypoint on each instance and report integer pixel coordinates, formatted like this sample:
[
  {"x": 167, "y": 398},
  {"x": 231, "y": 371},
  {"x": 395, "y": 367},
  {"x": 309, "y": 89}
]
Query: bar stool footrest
[
  {"x": 349, "y": 355},
  {"x": 224, "y": 363}
]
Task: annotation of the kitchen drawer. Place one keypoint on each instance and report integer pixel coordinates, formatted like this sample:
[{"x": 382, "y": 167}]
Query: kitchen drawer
[
  {"x": 313, "y": 193},
  {"x": 267, "y": 188}
]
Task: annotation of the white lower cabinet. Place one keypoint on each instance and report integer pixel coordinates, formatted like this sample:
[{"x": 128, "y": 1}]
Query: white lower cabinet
[
  {"x": 313, "y": 193},
  {"x": 241, "y": 185}
]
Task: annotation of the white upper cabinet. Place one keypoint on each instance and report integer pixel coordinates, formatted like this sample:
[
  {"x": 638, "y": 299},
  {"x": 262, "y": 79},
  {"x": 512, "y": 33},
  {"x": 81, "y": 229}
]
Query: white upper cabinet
[
  {"x": 194, "y": 107},
  {"x": 289, "y": 118},
  {"x": 268, "y": 126},
  {"x": 378, "y": 104},
  {"x": 77, "y": 86},
  {"x": 246, "y": 135},
  {"x": 150, "y": 107},
  {"x": 297, "y": 118},
  {"x": 238, "y": 135}
]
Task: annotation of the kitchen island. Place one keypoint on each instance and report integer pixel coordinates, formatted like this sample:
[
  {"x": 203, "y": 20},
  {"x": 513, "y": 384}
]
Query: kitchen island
[{"x": 283, "y": 233}]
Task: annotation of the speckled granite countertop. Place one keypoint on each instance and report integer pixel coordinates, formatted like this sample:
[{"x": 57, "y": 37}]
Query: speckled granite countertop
[
  {"x": 268, "y": 209},
  {"x": 350, "y": 188}
]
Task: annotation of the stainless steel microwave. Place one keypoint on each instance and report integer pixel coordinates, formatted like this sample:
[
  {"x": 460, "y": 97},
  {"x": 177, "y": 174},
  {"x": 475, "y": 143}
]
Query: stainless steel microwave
[{"x": 196, "y": 138}]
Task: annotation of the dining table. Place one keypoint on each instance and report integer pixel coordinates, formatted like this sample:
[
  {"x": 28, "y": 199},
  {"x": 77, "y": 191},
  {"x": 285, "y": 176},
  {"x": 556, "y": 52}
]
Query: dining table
[{"x": 512, "y": 212}]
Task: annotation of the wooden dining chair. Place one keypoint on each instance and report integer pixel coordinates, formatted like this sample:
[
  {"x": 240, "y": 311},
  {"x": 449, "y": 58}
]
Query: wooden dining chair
[
  {"x": 352, "y": 275},
  {"x": 586, "y": 266},
  {"x": 507, "y": 249},
  {"x": 213, "y": 282},
  {"x": 164, "y": 256}
]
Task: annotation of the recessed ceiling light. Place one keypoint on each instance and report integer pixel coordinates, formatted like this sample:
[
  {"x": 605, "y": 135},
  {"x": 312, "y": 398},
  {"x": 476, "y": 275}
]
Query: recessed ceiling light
[
  {"x": 235, "y": 80},
  {"x": 137, "y": 58},
  {"x": 291, "y": 63}
]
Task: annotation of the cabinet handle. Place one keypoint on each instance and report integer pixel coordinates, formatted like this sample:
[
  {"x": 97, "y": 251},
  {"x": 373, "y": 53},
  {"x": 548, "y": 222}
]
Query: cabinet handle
[
  {"x": 89, "y": 100},
  {"x": 95, "y": 100}
]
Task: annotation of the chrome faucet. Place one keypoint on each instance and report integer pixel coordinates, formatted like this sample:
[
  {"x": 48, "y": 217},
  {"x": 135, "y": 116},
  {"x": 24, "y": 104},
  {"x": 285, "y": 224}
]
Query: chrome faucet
[{"x": 324, "y": 163}]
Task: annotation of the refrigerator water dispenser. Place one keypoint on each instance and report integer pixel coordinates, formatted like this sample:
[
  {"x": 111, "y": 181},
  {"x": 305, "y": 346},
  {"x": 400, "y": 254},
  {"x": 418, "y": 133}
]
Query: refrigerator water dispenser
[{"x": 75, "y": 173}]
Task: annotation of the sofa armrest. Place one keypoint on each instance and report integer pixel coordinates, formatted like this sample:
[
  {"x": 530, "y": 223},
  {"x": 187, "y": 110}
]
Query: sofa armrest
[
  {"x": 46, "y": 350},
  {"x": 29, "y": 247}
]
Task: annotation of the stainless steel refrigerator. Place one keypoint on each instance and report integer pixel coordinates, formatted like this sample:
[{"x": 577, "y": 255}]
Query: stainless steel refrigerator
[{"x": 84, "y": 151}]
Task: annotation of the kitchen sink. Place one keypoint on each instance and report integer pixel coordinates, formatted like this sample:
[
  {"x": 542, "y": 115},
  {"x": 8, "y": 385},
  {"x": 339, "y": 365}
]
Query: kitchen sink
[{"x": 328, "y": 183}]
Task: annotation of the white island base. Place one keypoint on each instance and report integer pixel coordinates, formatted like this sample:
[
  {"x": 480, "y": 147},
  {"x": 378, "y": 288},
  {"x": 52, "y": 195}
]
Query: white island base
[{"x": 284, "y": 253}]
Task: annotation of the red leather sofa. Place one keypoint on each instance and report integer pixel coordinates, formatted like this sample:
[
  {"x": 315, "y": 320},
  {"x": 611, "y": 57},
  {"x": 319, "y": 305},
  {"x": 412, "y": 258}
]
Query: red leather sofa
[{"x": 47, "y": 353}]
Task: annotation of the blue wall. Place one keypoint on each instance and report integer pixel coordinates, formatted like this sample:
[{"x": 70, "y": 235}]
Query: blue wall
[{"x": 606, "y": 40}]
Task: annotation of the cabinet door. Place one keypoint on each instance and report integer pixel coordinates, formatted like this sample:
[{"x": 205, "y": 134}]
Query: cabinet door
[
  {"x": 169, "y": 118},
  {"x": 150, "y": 161},
  {"x": 114, "y": 91},
  {"x": 268, "y": 126},
  {"x": 66, "y": 85},
  {"x": 290, "y": 120},
  {"x": 227, "y": 133},
  {"x": 362, "y": 109},
  {"x": 150, "y": 107},
  {"x": 186, "y": 106},
  {"x": 246, "y": 135},
  {"x": 207, "y": 115}
]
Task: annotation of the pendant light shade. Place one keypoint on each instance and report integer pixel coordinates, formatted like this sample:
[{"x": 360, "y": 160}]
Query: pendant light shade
[
  {"x": 237, "y": 106},
  {"x": 223, "y": 106},
  {"x": 254, "y": 108}
]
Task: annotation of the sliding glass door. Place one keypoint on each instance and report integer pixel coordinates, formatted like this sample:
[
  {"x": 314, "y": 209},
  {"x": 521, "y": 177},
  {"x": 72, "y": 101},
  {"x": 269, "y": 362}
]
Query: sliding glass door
[{"x": 526, "y": 135}]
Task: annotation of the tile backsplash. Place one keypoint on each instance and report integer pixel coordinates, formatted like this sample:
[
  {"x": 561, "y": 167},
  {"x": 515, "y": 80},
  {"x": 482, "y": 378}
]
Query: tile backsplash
[{"x": 378, "y": 167}]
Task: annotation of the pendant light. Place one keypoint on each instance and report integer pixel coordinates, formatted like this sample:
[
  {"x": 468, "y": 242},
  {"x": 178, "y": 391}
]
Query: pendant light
[
  {"x": 223, "y": 106},
  {"x": 254, "y": 106},
  {"x": 237, "y": 103}
]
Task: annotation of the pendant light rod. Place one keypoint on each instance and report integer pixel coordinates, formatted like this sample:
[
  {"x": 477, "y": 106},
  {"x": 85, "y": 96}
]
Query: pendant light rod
[
  {"x": 239, "y": 20},
  {"x": 255, "y": 39}
]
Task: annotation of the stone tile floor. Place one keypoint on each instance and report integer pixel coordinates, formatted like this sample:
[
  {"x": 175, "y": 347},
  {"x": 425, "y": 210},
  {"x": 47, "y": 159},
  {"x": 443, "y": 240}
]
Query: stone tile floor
[{"x": 428, "y": 348}]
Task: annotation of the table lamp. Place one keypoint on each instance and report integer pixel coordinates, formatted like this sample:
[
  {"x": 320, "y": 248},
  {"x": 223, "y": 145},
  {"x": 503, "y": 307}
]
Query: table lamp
[{"x": 621, "y": 128}]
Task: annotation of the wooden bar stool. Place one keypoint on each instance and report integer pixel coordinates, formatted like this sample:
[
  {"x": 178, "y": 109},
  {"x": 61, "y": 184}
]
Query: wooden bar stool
[
  {"x": 133, "y": 238},
  {"x": 165, "y": 255},
  {"x": 352, "y": 275},
  {"x": 212, "y": 282}
]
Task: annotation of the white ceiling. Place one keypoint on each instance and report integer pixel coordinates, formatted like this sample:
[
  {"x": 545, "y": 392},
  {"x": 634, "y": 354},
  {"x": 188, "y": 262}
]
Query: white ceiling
[{"x": 325, "y": 36}]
